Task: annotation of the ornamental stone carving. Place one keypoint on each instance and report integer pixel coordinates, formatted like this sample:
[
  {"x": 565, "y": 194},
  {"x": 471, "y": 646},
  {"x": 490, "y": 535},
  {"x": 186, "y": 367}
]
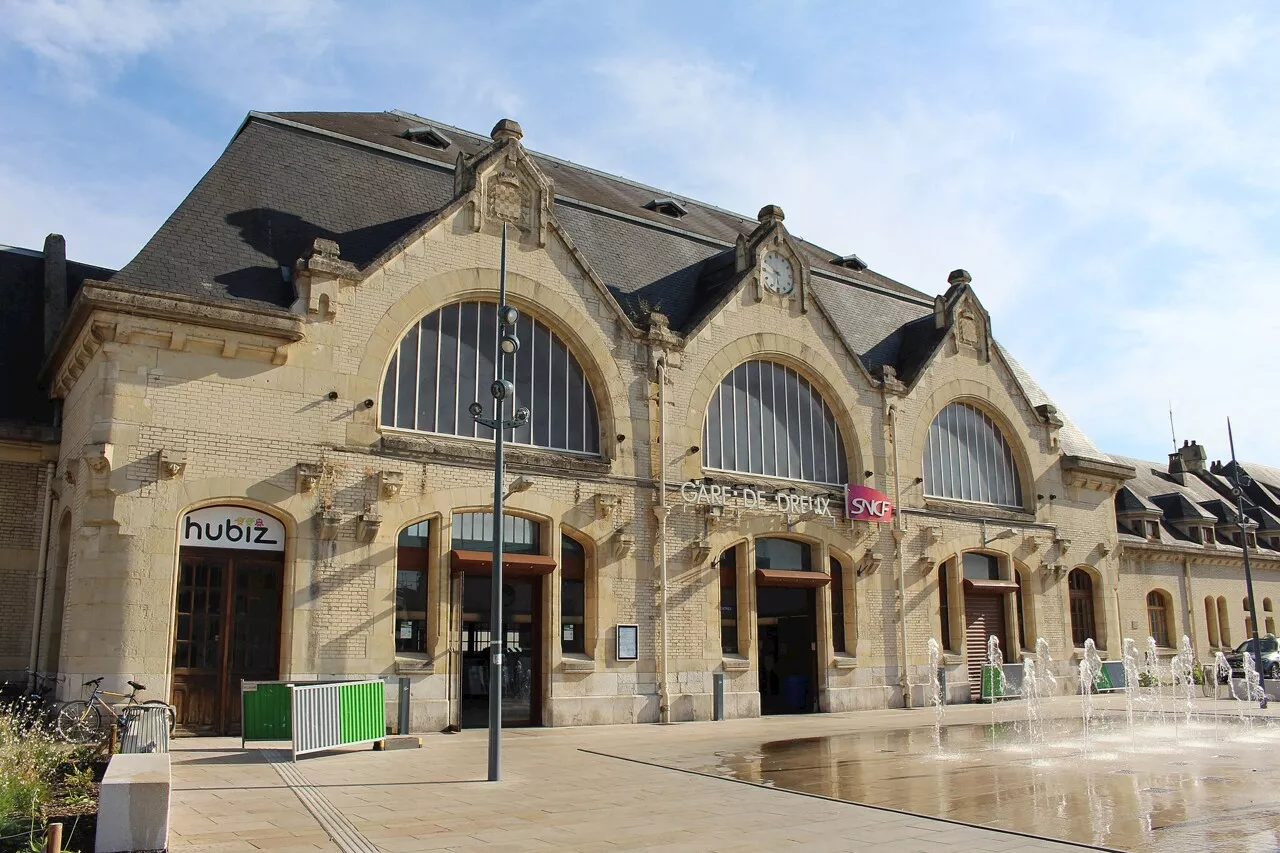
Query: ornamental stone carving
[{"x": 508, "y": 199}]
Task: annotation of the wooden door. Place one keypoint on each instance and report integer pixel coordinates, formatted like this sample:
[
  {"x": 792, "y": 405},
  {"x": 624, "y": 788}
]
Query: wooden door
[
  {"x": 228, "y": 629},
  {"x": 254, "y": 628},
  {"x": 984, "y": 618},
  {"x": 199, "y": 638}
]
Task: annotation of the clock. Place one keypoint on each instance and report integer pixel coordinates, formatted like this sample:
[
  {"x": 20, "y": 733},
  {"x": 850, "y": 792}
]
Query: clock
[{"x": 777, "y": 274}]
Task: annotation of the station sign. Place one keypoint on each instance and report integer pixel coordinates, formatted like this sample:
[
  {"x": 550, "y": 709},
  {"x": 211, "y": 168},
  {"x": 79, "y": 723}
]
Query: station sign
[
  {"x": 748, "y": 497},
  {"x": 237, "y": 527},
  {"x": 863, "y": 503}
]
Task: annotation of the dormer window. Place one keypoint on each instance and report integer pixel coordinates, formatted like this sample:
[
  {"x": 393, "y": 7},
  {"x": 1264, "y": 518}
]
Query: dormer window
[
  {"x": 1152, "y": 529},
  {"x": 850, "y": 262},
  {"x": 667, "y": 207},
  {"x": 1252, "y": 539},
  {"x": 427, "y": 136}
]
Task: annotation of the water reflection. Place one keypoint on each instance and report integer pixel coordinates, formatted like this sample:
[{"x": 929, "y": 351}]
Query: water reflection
[{"x": 1211, "y": 785}]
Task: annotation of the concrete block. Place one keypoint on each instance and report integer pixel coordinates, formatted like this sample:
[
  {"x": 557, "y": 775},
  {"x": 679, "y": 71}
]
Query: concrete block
[
  {"x": 388, "y": 744},
  {"x": 133, "y": 805}
]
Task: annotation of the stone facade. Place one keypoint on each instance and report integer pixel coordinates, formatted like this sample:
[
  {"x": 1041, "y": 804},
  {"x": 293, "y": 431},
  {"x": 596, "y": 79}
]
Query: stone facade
[{"x": 172, "y": 402}]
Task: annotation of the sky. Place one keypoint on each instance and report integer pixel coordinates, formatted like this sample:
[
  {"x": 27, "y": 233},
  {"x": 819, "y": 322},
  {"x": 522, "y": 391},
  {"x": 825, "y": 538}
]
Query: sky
[{"x": 1107, "y": 172}]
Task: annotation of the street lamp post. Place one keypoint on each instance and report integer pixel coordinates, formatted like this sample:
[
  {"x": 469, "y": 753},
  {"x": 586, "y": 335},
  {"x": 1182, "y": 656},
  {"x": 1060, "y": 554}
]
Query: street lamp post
[
  {"x": 502, "y": 389},
  {"x": 1240, "y": 482}
]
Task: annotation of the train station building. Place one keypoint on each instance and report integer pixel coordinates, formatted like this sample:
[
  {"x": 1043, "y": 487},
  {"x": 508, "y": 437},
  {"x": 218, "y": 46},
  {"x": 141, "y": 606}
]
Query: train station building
[{"x": 248, "y": 454}]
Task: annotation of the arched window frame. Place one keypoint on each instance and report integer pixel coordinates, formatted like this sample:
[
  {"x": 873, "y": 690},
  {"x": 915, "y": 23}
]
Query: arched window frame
[
  {"x": 1224, "y": 622},
  {"x": 1160, "y": 620},
  {"x": 1083, "y": 608},
  {"x": 731, "y": 567},
  {"x": 405, "y": 384},
  {"x": 734, "y": 417},
  {"x": 1211, "y": 621},
  {"x": 589, "y": 627},
  {"x": 944, "y": 473},
  {"x": 844, "y": 598},
  {"x": 414, "y": 559}
]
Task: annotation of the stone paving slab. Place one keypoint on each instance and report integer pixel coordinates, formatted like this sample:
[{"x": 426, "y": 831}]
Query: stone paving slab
[{"x": 562, "y": 789}]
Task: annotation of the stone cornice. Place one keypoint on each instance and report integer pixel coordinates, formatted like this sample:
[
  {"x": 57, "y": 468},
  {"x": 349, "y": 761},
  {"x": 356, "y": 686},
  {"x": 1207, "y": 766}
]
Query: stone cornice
[
  {"x": 1218, "y": 555},
  {"x": 103, "y": 312},
  {"x": 439, "y": 448}
]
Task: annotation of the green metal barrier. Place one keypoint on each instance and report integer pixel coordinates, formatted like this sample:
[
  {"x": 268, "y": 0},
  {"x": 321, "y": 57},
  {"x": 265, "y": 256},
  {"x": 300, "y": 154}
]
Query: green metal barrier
[
  {"x": 992, "y": 683},
  {"x": 265, "y": 712},
  {"x": 312, "y": 715}
]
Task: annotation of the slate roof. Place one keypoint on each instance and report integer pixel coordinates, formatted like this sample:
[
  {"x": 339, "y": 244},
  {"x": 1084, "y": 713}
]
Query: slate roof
[
  {"x": 23, "y": 405},
  {"x": 287, "y": 178}
]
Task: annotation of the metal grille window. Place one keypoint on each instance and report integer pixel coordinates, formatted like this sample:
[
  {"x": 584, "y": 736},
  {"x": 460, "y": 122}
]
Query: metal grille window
[
  {"x": 968, "y": 459},
  {"x": 573, "y": 596},
  {"x": 1082, "y": 623},
  {"x": 729, "y": 602},
  {"x": 412, "y": 559},
  {"x": 837, "y": 607},
  {"x": 764, "y": 418},
  {"x": 445, "y": 363}
]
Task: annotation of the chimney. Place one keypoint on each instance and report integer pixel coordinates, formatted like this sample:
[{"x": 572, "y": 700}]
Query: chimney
[
  {"x": 1193, "y": 457},
  {"x": 55, "y": 288},
  {"x": 1176, "y": 465}
]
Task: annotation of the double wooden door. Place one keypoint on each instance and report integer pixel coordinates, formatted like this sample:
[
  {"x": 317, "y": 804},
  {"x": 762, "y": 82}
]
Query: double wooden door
[{"x": 228, "y": 629}]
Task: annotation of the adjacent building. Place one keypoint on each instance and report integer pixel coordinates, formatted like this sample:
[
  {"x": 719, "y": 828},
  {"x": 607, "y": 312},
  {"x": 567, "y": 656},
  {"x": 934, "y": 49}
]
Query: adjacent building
[{"x": 253, "y": 455}]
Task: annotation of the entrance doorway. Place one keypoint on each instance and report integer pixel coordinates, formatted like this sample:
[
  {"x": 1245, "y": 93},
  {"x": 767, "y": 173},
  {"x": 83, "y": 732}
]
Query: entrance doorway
[
  {"x": 787, "y": 626},
  {"x": 521, "y": 650},
  {"x": 787, "y": 650},
  {"x": 984, "y": 618},
  {"x": 523, "y": 625},
  {"x": 228, "y": 610}
]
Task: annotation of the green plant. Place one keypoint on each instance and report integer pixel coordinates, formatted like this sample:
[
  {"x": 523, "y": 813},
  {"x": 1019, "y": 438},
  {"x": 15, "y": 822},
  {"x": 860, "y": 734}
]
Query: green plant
[{"x": 31, "y": 766}]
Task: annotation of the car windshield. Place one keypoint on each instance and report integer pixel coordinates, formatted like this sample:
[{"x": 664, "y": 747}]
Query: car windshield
[{"x": 1268, "y": 645}]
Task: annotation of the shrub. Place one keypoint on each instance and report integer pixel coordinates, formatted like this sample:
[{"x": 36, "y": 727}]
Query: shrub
[{"x": 30, "y": 759}]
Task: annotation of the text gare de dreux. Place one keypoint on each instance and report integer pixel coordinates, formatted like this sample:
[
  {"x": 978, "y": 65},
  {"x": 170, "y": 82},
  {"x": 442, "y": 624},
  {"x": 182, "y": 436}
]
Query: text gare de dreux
[
  {"x": 695, "y": 492},
  {"x": 862, "y": 503}
]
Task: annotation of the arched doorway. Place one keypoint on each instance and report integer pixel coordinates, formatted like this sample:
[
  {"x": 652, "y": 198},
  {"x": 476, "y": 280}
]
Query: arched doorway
[
  {"x": 986, "y": 593},
  {"x": 228, "y": 608},
  {"x": 524, "y": 569},
  {"x": 787, "y": 626}
]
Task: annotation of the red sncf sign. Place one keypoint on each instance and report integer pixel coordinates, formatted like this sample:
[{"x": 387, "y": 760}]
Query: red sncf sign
[{"x": 865, "y": 504}]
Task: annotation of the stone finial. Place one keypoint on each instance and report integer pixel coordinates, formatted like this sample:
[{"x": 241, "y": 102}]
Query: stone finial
[
  {"x": 959, "y": 277},
  {"x": 770, "y": 213},
  {"x": 506, "y": 129}
]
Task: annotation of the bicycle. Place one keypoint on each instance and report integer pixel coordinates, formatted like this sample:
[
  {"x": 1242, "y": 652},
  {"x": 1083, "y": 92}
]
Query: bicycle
[
  {"x": 80, "y": 721},
  {"x": 32, "y": 698}
]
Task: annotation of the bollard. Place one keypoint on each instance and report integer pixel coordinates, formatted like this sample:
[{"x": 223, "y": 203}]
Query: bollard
[
  {"x": 402, "y": 711},
  {"x": 53, "y": 838},
  {"x": 717, "y": 694}
]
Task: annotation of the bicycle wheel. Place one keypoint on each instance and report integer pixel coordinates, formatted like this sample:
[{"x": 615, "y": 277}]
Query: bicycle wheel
[
  {"x": 170, "y": 712},
  {"x": 80, "y": 722}
]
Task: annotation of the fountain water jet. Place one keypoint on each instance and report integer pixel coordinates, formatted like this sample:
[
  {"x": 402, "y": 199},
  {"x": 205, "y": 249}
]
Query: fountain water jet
[
  {"x": 1090, "y": 666},
  {"x": 1130, "y": 657},
  {"x": 1182, "y": 668},
  {"x": 935, "y": 691}
]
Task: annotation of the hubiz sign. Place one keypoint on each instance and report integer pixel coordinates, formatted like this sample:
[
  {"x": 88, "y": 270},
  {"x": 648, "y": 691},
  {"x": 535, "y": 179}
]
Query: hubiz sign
[
  {"x": 232, "y": 527},
  {"x": 866, "y": 504}
]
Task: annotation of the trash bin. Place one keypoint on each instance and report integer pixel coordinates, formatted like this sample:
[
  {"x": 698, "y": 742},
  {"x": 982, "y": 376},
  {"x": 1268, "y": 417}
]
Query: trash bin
[{"x": 144, "y": 728}]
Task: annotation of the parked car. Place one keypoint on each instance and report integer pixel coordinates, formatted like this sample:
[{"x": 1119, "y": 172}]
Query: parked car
[{"x": 1270, "y": 657}]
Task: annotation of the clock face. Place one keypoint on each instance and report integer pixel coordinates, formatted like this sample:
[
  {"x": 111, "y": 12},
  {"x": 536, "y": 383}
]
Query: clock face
[{"x": 777, "y": 274}]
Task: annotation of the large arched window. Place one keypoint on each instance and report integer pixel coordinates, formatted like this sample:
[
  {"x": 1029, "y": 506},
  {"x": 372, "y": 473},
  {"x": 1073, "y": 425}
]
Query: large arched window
[
  {"x": 445, "y": 363},
  {"x": 764, "y": 418},
  {"x": 968, "y": 459}
]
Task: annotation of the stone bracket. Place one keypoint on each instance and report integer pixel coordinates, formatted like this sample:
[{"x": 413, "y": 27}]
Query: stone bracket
[
  {"x": 869, "y": 564},
  {"x": 369, "y": 523},
  {"x": 389, "y": 484},
  {"x": 607, "y": 506},
  {"x": 328, "y": 522},
  {"x": 97, "y": 460},
  {"x": 623, "y": 542},
  {"x": 170, "y": 464},
  {"x": 699, "y": 552},
  {"x": 308, "y": 474}
]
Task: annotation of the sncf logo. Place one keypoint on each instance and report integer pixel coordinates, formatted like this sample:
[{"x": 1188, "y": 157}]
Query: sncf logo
[{"x": 865, "y": 504}]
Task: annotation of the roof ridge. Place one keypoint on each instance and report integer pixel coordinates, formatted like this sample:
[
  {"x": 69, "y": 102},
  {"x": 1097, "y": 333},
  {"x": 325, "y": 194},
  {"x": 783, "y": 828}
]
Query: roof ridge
[{"x": 18, "y": 250}]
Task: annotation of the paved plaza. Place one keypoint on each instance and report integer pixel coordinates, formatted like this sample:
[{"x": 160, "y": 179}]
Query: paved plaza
[{"x": 580, "y": 789}]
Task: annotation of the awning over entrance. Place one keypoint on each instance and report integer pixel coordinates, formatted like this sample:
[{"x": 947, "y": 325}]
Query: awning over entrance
[
  {"x": 990, "y": 586},
  {"x": 481, "y": 563},
  {"x": 783, "y": 577}
]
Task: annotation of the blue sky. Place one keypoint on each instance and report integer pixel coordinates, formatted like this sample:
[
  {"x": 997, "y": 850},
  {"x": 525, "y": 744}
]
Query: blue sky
[{"x": 1107, "y": 172}]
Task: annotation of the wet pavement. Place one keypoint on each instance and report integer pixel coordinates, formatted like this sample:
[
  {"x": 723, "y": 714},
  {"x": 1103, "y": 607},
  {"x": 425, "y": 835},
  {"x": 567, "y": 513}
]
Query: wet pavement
[{"x": 1164, "y": 785}]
